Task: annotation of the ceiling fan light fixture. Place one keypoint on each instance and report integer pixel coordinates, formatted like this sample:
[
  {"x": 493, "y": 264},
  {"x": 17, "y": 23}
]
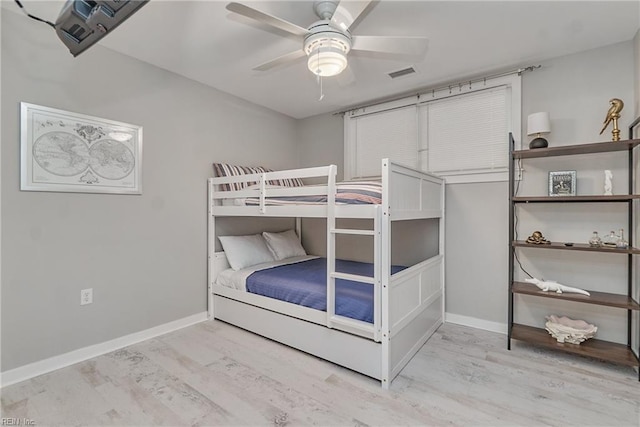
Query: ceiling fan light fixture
[
  {"x": 327, "y": 50},
  {"x": 327, "y": 62}
]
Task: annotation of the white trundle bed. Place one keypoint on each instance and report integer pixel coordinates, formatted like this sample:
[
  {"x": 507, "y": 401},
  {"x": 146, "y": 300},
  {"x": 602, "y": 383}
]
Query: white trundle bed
[{"x": 407, "y": 306}]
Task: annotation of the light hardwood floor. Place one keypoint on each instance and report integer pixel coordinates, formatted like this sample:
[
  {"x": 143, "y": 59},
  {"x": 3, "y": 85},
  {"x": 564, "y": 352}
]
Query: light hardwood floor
[{"x": 216, "y": 374}]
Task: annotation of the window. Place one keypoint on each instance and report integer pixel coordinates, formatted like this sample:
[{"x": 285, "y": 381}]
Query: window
[
  {"x": 461, "y": 136},
  {"x": 387, "y": 134},
  {"x": 465, "y": 134}
]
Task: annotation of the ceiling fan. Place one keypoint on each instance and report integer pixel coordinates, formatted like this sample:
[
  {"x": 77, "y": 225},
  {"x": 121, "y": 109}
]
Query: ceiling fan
[{"x": 327, "y": 42}]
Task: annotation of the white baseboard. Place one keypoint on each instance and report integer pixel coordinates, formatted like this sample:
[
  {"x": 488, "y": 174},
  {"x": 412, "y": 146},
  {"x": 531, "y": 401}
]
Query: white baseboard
[
  {"x": 51, "y": 364},
  {"x": 474, "y": 322}
]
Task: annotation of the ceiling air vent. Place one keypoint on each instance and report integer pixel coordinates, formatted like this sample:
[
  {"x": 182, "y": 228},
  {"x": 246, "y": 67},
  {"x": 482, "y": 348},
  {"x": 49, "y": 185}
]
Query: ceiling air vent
[{"x": 403, "y": 72}]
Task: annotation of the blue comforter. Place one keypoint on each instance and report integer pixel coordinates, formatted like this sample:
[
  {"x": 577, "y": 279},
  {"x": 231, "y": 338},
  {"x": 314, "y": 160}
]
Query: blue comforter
[{"x": 305, "y": 283}]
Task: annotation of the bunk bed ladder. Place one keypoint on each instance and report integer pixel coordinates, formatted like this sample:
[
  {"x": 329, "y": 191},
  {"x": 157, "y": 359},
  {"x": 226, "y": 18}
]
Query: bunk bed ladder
[
  {"x": 334, "y": 320},
  {"x": 373, "y": 281}
]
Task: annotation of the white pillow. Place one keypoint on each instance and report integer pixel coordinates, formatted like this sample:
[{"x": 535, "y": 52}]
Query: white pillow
[
  {"x": 284, "y": 245},
  {"x": 245, "y": 251}
]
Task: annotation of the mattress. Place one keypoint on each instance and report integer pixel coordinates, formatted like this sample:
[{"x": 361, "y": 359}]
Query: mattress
[
  {"x": 347, "y": 193},
  {"x": 303, "y": 282}
]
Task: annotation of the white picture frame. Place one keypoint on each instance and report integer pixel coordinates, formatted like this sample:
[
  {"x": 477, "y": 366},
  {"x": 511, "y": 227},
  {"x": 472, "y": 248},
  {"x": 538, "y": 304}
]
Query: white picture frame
[
  {"x": 70, "y": 152},
  {"x": 562, "y": 183}
]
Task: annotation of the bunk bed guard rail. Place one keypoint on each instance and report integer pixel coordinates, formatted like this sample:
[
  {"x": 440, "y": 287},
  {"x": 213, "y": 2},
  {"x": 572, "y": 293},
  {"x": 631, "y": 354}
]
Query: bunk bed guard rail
[{"x": 262, "y": 190}]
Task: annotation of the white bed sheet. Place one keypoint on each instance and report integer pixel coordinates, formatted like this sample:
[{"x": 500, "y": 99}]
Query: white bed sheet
[
  {"x": 242, "y": 201},
  {"x": 233, "y": 279}
]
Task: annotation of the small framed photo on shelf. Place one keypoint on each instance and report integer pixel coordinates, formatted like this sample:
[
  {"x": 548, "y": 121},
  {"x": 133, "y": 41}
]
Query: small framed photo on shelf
[{"x": 562, "y": 183}]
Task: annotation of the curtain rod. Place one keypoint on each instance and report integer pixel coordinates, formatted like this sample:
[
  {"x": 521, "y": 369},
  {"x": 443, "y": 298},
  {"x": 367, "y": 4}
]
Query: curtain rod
[{"x": 451, "y": 86}]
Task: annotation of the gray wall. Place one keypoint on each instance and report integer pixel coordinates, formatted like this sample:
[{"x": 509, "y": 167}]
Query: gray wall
[
  {"x": 144, "y": 256},
  {"x": 408, "y": 247},
  {"x": 320, "y": 141},
  {"x": 575, "y": 90}
]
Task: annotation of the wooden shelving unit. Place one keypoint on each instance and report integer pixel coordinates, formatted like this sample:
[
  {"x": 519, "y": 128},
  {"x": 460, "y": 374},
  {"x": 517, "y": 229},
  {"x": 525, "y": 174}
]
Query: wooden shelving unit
[
  {"x": 577, "y": 199},
  {"x": 572, "y": 150},
  {"x": 594, "y": 348},
  {"x": 597, "y": 349},
  {"x": 598, "y": 298},
  {"x": 577, "y": 247}
]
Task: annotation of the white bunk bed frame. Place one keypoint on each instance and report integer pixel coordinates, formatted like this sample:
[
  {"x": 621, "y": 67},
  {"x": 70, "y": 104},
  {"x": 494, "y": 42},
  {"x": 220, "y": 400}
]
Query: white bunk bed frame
[{"x": 408, "y": 306}]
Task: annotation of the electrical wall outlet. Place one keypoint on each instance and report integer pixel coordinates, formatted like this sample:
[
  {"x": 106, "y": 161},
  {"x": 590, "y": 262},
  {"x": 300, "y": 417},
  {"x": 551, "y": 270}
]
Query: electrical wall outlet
[{"x": 86, "y": 296}]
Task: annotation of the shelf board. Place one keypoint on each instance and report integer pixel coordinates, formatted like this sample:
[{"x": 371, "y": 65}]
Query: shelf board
[
  {"x": 597, "y": 349},
  {"x": 598, "y": 298},
  {"x": 569, "y": 150},
  {"x": 576, "y": 247},
  {"x": 576, "y": 199}
]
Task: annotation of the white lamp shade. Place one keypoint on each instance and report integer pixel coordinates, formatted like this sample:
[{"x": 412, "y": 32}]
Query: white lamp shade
[
  {"x": 538, "y": 123},
  {"x": 327, "y": 61}
]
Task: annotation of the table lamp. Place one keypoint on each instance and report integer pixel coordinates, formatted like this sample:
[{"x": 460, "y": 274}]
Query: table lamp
[{"x": 538, "y": 124}]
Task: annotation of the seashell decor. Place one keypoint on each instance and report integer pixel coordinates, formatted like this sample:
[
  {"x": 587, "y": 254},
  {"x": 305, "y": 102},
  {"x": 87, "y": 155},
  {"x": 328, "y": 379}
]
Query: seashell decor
[{"x": 568, "y": 330}]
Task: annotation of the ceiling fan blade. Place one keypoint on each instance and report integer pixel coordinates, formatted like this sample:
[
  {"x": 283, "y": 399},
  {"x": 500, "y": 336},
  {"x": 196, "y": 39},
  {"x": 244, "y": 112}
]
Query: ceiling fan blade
[
  {"x": 265, "y": 18},
  {"x": 281, "y": 60},
  {"x": 396, "y": 45},
  {"x": 347, "y": 12}
]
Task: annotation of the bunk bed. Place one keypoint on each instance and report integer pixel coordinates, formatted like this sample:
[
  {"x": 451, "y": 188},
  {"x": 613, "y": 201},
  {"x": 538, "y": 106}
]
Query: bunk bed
[{"x": 407, "y": 302}]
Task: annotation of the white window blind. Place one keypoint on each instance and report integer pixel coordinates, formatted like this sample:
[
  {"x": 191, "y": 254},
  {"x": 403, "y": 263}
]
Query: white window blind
[
  {"x": 466, "y": 133},
  {"x": 388, "y": 134},
  {"x": 461, "y": 135}
]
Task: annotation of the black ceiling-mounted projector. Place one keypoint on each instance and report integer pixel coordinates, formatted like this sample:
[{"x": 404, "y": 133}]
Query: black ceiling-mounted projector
[{"x": 82, "y": 23}]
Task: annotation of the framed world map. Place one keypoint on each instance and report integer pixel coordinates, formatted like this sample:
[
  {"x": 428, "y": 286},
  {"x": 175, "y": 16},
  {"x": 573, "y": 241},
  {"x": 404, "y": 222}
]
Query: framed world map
[{"x": 71, "y": 152}]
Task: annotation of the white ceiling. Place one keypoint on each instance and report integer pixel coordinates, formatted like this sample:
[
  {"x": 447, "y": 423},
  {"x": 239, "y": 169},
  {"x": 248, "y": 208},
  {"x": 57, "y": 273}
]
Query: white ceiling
[{"x": 201, "y": 40}]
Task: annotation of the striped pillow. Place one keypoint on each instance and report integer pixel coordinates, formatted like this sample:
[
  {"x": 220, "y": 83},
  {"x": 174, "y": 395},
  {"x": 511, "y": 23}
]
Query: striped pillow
[
  {"x": 224, "y": 169},
  {"x": 288, "y": 182}
]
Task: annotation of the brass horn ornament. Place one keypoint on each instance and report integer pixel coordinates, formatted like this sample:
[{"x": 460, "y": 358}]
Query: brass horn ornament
[{"x": 612, "y": 116}]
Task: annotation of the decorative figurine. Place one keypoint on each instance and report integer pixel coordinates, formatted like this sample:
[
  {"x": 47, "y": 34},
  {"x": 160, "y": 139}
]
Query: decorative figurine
[
  {"x": 612, "y": 116},
  {"x": 611, "y": 239},
  {"x": 595, "y": 240},
  {"x": 564, "y": 329},
  {"x": 608, "y": 185},
  {"x": 537, "y": 238},
  {"x": 621, "y": 243},
  {"x": 550, "y": 285}
]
